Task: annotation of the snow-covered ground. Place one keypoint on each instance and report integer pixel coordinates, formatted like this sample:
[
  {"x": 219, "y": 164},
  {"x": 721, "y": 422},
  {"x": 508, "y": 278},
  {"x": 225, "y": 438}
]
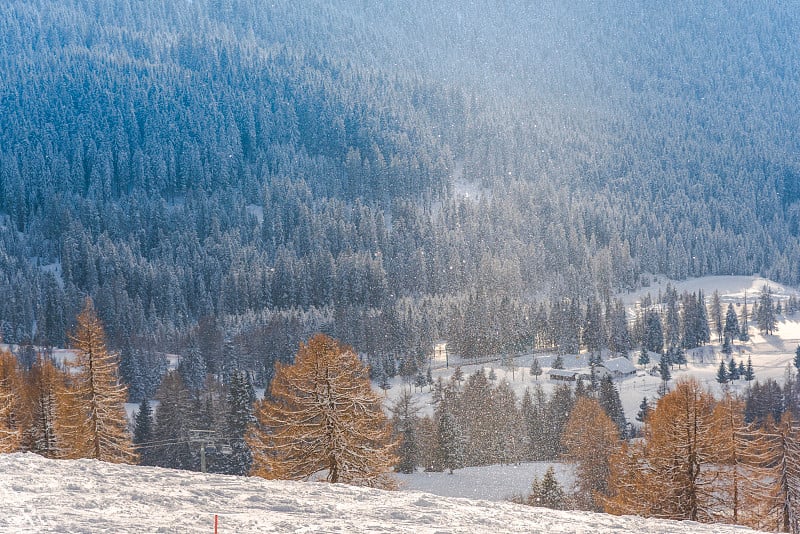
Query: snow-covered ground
[
  {"x": 87, "y": 496},
  {"x": 491, "y": 482}
]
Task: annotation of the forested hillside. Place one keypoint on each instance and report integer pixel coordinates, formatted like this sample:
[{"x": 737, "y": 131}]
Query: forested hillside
[{"x": 226, "y": 177}]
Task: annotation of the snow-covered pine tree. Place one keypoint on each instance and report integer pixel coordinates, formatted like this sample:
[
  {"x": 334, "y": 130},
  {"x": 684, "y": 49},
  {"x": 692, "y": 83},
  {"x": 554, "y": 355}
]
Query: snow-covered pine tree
[
  {"x": 98, "y": 394},
  {"x": 405, "y": 418},
  {"x": 174, "y": 418},
  {"x": 241, "y": 398},
  {"x": 547, "y": 493},
  {"x": 143, "y": 432},
  {"x": 323, "y": 417},
  {"x": 609, "y": 400}
]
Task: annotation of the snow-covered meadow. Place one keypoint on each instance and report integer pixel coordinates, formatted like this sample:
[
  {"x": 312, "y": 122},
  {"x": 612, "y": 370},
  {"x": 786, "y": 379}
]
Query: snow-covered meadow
[
  {"x": 770, "y": 354},
  {"x": 87, "y": 496}
]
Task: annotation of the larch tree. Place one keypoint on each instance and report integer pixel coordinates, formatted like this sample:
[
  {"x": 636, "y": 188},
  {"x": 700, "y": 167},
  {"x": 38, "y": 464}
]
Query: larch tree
[
  {"x": 322, "y": 416},
  {"x": 590, "y": 451},
  {"x": 10, "y": 431},
  {"x": 98, "y": 394},
  {"x": 46, "y": 385},
  {"x": 668, "y": 475}
]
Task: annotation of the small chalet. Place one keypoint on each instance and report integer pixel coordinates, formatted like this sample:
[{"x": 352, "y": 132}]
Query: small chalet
[
  {"x": 619, "y": 367},
  {"x": 564, "y": 375}
]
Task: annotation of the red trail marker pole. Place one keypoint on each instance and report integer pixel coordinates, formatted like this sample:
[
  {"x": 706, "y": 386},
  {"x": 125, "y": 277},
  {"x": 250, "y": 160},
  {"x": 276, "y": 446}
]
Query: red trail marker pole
[{"x": 216, "y": 523}]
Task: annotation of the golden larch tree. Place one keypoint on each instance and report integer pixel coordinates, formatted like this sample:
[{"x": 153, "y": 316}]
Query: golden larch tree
[
  {"x": 96, "y": 397},
  {"x": 590, "y": 438},
  {"x": 669, "y": 474},
  {"x": 10, "y": 428},
  {"x": 322, "y": 416},
  {"x": 45, "y": 386}
]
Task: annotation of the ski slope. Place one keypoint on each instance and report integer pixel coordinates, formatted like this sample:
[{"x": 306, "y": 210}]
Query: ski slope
[{"x": 87, "y": 496}]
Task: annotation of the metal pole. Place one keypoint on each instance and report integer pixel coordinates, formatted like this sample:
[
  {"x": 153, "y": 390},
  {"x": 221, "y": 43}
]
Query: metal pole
[{"x": 203, "y": 456}]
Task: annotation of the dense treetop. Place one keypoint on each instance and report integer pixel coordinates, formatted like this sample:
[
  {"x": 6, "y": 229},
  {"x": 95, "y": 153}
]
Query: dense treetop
[{"x": 388, "y": 172}]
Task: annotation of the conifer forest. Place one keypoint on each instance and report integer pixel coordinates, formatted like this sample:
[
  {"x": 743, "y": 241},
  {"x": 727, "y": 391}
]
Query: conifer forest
[{"x": 203, "y": 199}]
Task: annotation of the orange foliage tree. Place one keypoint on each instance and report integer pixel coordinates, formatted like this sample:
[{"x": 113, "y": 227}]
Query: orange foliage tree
[
  {"x": 95, "y": 400},
  {"x": 10, "y": 429},
  {"x": 322, "y": 416},
  {"x": 590, "y": 438}
]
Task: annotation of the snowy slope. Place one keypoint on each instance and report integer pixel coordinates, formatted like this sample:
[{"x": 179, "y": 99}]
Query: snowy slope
[{"x": 87, "y": 496}]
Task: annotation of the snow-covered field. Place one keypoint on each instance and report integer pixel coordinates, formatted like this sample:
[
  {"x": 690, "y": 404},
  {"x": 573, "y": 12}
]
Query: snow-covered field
[
  {"x": 87, "y": 496},
  {"x": 490, "y": 482}
]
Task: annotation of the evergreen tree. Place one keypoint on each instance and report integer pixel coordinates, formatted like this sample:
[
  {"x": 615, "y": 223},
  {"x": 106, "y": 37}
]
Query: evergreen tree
[
  {"x": 644, "y": 357},
  {"x": 663, "y": 370},
  {"x": 644, "y": 411},
  {"x": 609, "y": 400},
  {"x": 450, "y": 442},
  {"x": 143, "y": 432},
  {"x": 749, "y": 375},
  {"x": 547, "y": 493},
  {"x": 733, "y": 370},
  {"x": 744, "y": 334},
  {"x": 322, "y": 416},
  {"x": 558, "y": 363},
  {"x": 96, "y": 388},
  {"x": 716, "y": 314},
  {"x": 405, "y": 419},
  {"x": 536, "y": 368},
  {"x": 731, "y": 330},
  {"x": 765, "y": 316},
  {"x": 797, "y": 359},
  {"x": 722, "y": 373},
  {"x": 241, "y": 398},
  {"x": 175, "y": 417},
  {"x": 653, "y": 331}
]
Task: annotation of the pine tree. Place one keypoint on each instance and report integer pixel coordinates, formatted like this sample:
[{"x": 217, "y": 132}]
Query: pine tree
[
  {"x": 322, "y": 416},
  {"x": 731, "y": 330},
  {"x": 744, "y": 334},
  {"x": 644, "y": 357},
  {"x": 405, "y": 419},
  {"x": 749, "y": 375},
  {"x": 722, "y": 373},
  {"x": 644, "y": 410},
  {"x": 716, "y": 314},
  {"x": 797, "y": 359},
  {"x": 609, "y": 400},
  {"x": 240, "y": 398},
  {"x": 175, "y": 417},
  {"x": 547, "y": 493},
  {"x": 733, "y": 370},
  {"x": 591, "y": 451},
  {"x": 143, "y": 432},
  {"x": 450, "y": 441},
  {"x": 536, "y": 368},
  {"x": 765, "y": 316},
  {"x": 558, "y": 363},
  {"x": 98, "y": 394}
]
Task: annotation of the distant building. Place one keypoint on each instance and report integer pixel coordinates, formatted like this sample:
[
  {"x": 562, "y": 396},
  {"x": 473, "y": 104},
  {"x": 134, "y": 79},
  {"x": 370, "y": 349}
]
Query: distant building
[
  {"x": 564, "y": 375},
  {"x": 619, "y": 368},
  {"x": 440, "y": 351}
]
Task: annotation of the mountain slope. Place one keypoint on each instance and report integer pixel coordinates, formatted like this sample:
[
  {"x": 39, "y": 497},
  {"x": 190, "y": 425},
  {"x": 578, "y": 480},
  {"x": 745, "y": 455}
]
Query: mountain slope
[{"x": 42, "y": 495}]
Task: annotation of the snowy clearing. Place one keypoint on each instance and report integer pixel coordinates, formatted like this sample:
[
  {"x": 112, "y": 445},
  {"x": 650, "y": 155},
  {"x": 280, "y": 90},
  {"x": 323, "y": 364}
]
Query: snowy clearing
[{"x": 41, "y": 495}]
